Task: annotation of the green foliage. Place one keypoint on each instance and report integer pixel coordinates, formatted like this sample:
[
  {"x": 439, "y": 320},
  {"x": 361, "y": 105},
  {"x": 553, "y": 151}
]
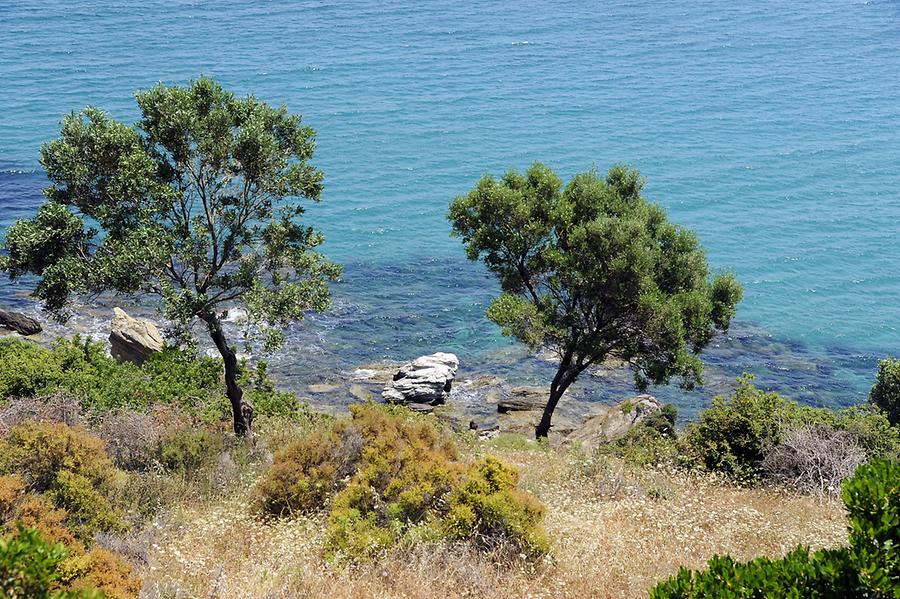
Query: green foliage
[
  {"x": 886, "y": 392},
  {"x": 71, "y": 467},
  {"x": 489, "y": 508},
  {"x": 391, "y": 478},
  {"x": 266, "y": 399},
  {"x": 869, "y": 567},
  {"x": 188, "y": 449},
  {"x": 872, "y": 497},
  {"x": 594, "y": 270},
  {"x": 197, "y": 205},
  {"x": 29, "y": 568},
  {"x": 171, "y": 377},
  {"x": 733, "y": 435}
]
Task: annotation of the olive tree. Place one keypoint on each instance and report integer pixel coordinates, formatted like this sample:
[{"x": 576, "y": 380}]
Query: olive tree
[
  {"x": 594, "y": 271},
  {"x": 196, "y": 205}
]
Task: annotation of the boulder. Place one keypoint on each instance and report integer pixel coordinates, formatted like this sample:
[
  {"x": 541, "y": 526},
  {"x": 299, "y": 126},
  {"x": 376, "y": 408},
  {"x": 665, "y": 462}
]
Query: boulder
[
  {"x": 133, "y": 339},
  {"x": 18, "y": 322},
  {"x": 523, "y": 399},
  {"x": 425, "y": 380},
  {"x": 613, "y": 422}
]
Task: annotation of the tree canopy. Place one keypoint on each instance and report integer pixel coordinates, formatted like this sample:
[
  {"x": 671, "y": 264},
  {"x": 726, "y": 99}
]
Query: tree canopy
[
  {"x": 592, "y": 271},
  {"x": 197, "y": 204}
]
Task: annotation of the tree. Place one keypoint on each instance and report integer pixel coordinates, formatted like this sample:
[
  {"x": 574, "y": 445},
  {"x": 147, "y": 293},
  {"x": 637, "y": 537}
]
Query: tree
[
  {"x": 196, "y": 205},
  {"x": 885, "y": 392},
  {"x": 594, "y": 271}
]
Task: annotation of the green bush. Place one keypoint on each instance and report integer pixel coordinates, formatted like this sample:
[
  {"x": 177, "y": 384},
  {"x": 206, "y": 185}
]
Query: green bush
[
  {"x": 869, "y": 567},
  {"x": 71, "y": 467},
  {"x": 187, "y": 450},
  {"x": 886, "y": 392},
  {"x": 171, "y": 377},
  {"x": 392, "y": 478},
  {"x": 489, "y": 508},
  {"x": 734, "y": 434},
  {"x": 29, "y": 568},
  {"x": 872, "y": 498}
]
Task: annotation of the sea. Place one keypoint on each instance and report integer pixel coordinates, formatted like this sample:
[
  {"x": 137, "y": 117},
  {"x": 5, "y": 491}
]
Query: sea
[{"x": 771, "y": 128}]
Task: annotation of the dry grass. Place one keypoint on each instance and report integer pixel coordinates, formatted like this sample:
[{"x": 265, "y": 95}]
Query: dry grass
[{"x": 616, "y": 531}]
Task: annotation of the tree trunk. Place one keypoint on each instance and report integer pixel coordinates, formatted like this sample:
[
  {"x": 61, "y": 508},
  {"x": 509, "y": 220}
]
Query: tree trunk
[
  {"x": 564, "y": 377},
  {"x": 241, "y": 409}
]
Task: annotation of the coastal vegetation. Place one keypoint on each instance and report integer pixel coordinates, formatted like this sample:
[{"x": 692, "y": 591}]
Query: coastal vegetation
[
  {"x": 125, "y": 477},
  {"x": 117, "y": 490},
  {"x": 196, "y": 205},
  {"x": 594, "y": 271}
]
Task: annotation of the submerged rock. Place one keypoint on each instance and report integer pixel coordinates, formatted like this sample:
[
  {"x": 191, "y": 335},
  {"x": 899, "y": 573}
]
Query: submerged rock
[
  {"x": 523, "y": 399},
  {"x": 614, "y": 422},
  {"x": 425, "y": 380},
  {"x": 133, "y": 339},
  {"x": 18, "y": 322}
]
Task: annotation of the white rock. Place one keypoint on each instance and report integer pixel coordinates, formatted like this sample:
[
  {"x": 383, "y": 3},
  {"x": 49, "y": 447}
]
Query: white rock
[{"x": 425, "y": 380}]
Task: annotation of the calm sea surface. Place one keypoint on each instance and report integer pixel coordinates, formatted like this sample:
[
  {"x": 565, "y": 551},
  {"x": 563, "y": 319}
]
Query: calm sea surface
[{"x": 772, "y": 128}]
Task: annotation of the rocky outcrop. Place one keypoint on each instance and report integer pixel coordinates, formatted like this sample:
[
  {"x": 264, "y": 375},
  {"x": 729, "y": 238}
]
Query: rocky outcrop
[
  {"x": 425, "y": 380},
  {"x": 18, "y": 322},
  {"x": 523, "y": 399},
  {"x": 133, "y": 339},
  {"x": 614, "y": 422}
]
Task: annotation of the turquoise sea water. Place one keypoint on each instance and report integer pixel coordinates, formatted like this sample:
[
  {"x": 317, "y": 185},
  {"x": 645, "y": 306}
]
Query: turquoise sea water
[{"x": 772, "y": 128}]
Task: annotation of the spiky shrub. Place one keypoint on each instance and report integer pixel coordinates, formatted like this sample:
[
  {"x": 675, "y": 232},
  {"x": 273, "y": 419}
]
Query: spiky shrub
[
  {"x": 71, "y": 467},
  {"x": 389, "y": 477},
  {"x": 869, "y": 567}
]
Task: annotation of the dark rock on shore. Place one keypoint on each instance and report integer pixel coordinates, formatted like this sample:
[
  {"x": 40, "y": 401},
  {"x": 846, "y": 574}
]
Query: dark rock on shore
[
  {"x": 522, "y": 399},
  {"x": 20, "y": 323}
]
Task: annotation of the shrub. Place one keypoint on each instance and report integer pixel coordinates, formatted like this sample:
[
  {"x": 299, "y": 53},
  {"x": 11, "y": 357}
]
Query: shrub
[
  {"x": 305, "y": 474},
  {"x": 68, "y": 464},
  {"x": 80, "y": 569},
  {"x": 872, "y": 498},
  {"x": 869, "y": 567},
  {"x": 29, "y": 566},
  {"x": 886, "y": 392},
  {"x": 489, "y": 508},
  {"x": 188, "y": 449},
  {"x": 735, "y": 434},
  {"x": 132, "y": 439},
  {"x": 392, "y": 478},
  {"x": 813, "y": 459}
]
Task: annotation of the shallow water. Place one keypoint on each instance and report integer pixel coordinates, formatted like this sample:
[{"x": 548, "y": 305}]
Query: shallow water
[{"x": 771, "y": 128}]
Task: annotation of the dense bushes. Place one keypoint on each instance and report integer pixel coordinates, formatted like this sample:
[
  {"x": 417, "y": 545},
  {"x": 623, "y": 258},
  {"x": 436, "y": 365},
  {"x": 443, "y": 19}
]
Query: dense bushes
[
  {"x": 869, "y": 567},
  {"x": 82, "y": 369},
  {"x": 70, "y": 467},
  {"x": 735, "y": 435},
  {"x": 29, "y": 568},
  {"x": 57, "y": 490},
  {"x": 390, "y": 478},
  {"x": 886, "y": 392}
]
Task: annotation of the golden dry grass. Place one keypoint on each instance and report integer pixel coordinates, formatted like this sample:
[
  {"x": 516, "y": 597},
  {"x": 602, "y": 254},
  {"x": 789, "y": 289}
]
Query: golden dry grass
[{"x": 615, "y": 531}]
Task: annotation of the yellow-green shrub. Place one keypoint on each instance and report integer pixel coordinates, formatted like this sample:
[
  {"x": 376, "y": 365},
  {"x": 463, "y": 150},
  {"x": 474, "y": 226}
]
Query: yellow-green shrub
[
  {"x": 391, "y": 477},
  {"x": 78, "y": 568},
  {"x": 489, "y": 508},
  {"x": 71, "y": 467}
]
